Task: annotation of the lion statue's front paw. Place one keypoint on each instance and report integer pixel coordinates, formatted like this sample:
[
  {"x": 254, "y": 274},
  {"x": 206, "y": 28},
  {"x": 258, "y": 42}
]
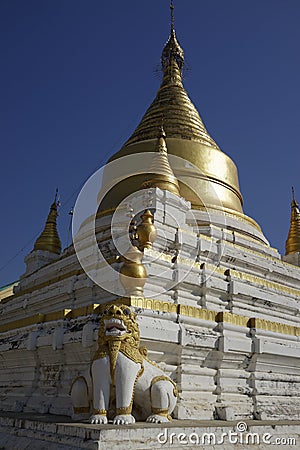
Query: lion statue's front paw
[
  {"x": 99, "y": 419},
  {"x": 157, "y": 418},
  {"x": 123, "y": 419}
]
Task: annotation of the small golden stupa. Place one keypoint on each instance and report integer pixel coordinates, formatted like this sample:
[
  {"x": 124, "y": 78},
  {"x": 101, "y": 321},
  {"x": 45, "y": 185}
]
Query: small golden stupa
[
  {"x": 161, "y": 174},
  {"x": 292, "y": 244},
  {"x": 49, "y": 239}
]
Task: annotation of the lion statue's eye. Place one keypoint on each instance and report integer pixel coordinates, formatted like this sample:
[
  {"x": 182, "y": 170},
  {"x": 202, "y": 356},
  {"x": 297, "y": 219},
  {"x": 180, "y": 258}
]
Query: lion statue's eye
[
  {"x": 104, "y": 312},
  {"x": 127, "y": 312}
]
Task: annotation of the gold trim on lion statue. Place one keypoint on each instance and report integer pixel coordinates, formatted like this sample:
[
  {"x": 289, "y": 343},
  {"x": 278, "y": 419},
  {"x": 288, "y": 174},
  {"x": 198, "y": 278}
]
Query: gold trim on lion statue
[{"x": 122, "y": 376}]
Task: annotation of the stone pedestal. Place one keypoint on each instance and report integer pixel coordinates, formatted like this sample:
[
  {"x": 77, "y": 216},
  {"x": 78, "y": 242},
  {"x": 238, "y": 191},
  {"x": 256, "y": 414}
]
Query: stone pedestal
[{"x": 20, "y": 431}]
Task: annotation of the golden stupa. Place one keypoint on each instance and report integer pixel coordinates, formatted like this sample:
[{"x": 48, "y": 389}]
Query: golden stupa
[
  {"x": 49, "y": 238},
  {"x": 214, "y": 184},
  {"x": 292, "y": 244}
]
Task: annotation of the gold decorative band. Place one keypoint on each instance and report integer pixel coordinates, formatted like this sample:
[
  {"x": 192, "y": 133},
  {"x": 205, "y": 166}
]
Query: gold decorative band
[
  {"x": 100, "y": 412},
  {"x": 124, "y": 410},
  {"x": 165, "y": 378},
  {"x": 161, "y": 412},
  {"x": 81, "y": 409},
  {"x": 159, "y": 378},
  {"x": 158, "y": 305}
]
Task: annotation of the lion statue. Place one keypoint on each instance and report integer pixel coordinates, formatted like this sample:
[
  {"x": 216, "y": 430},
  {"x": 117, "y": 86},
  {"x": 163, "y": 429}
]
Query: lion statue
[{"x": 121, "y": 373}]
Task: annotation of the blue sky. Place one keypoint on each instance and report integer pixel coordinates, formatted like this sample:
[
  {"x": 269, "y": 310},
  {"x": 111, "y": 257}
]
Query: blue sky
[{"x": 76, "y": 77}]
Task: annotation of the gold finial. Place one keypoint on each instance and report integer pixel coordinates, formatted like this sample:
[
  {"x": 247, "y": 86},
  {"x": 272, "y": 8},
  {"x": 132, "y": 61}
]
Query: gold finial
[
  {"x": 161, "y": 146},
  {"x": 172, "y": 58},
  {"x": 49, "y": 239},
  {"x": 161, "y": 174},
  {"x": 146, "y": 231},
  {"x": 133, "y": 273},
  {"x": 172, "y": 15},
  {"x": 292, "y": 244}
]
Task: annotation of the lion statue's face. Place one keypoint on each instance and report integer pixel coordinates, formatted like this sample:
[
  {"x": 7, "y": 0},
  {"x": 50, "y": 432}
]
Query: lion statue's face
[{"x": 118, "y": 322}]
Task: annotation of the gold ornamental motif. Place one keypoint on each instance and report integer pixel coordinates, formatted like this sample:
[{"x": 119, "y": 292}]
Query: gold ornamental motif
[
  {"x": 132, "y": 353},
  {"x": 102, "y": 351},
  {"x": 124, "y": 410},
  {"x": 114, "y": 348},
  {"x": 197, "y": 313},
  {"x": 275, "y": 327},
  {"x": 100, "y": 412},
  {"x": 234, "y": 319}
]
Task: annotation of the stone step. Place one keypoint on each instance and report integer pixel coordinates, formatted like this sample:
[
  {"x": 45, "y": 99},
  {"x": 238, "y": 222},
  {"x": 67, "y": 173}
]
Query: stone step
[{"x": 38, "y": 432}]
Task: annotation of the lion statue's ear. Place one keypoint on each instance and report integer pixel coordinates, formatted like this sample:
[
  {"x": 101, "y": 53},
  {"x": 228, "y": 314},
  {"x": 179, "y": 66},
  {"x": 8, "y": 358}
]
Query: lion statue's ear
[
  {"x": 129, "y": 311},
  {"x": 133, "y": 312}
]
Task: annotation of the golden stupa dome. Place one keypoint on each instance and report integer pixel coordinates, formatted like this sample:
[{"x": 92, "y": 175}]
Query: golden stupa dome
[{"x": 214, "y": 185}]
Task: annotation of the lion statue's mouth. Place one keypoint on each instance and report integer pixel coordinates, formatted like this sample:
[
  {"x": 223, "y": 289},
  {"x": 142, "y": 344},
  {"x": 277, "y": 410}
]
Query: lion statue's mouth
[{"x": 114, "y": 327}]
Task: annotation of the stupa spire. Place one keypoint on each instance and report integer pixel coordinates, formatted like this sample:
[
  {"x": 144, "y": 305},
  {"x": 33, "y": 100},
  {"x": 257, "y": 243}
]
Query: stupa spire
[
  {"x": 172, "y": 57},
  {"x": 172, "y": 15},
  {"x": 181, "y": 119},
  {"x": 49, "y": 238},
  {"x": 293, "y": 241}
]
